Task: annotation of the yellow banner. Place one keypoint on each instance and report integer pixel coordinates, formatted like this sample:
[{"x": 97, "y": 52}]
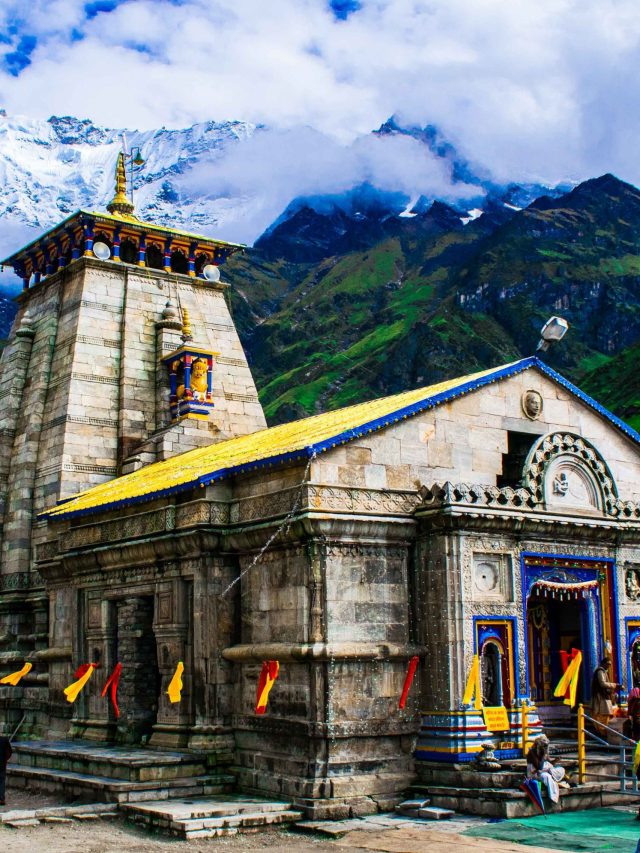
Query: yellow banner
[
  {"x": 473, "y": 690},
  {"x": 174, "y": 690},
  {"x": 14, "y": 677},
  {"x": 72, "y": 691},
  {"x": 569, "y": 681},
  {"x": 496, "y": 718}
]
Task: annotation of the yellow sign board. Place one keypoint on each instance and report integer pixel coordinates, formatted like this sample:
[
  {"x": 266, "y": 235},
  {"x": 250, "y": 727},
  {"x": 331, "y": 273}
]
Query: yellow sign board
[{"x": 496, "y": 718}]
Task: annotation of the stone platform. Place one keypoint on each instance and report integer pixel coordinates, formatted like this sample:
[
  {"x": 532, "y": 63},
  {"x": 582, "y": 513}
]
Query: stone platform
[
  {"x": 82, "y": 770},
  {"x": 210, "y": 817}
]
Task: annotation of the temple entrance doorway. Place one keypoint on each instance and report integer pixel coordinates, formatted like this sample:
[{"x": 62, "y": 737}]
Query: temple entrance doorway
[
  {"x": 557, "y": 623},
  {"x": 140, "y": 683}
]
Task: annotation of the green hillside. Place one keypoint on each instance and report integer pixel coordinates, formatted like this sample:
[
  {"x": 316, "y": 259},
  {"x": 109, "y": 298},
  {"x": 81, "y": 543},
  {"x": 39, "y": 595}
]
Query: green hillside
[
  {"x": 615, "y": 383},
  {"x": 434, "y": 299}
]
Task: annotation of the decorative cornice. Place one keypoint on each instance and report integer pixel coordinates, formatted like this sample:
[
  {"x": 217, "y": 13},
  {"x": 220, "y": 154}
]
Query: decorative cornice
[{"x": 300, "y": 652}]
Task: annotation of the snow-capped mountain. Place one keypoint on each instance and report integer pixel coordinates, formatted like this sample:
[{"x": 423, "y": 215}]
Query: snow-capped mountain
[
  {"x": 235, "y": 180},
  {"x": 51, "y": 168}
]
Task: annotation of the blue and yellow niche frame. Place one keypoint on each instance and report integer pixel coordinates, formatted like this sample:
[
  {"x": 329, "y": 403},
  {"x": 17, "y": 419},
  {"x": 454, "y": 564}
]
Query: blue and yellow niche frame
[{"x": 602, "y": 624}]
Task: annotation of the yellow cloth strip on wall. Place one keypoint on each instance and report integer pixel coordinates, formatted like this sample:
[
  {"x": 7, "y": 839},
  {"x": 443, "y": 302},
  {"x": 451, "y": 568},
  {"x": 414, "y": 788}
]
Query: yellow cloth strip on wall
[
  {"x": 174, "y": 690},
  {"x": 473, "y": 690},
  {"x": 569, "y": 681},
  {"x": 14, "y": 677},
  {"x": 72, "y": 691}
]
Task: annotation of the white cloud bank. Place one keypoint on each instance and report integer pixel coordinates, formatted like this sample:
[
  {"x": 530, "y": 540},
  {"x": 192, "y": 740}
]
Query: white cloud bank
[{"x": 531, "y": 89}]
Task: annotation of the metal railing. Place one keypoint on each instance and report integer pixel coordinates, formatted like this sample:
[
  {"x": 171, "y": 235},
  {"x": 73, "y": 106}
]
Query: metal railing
[{"x": 587, "y": 734}]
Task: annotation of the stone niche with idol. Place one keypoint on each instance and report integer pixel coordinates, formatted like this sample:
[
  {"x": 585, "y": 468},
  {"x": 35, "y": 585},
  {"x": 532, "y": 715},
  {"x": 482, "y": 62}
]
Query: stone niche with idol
[{"x": 190, "y": 377}]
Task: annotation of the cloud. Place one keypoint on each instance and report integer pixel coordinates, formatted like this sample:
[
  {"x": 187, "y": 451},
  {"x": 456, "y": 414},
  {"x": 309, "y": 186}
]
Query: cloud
[
  {"x": 532, "y": 90},
  {"x": 271, "y": 167}
]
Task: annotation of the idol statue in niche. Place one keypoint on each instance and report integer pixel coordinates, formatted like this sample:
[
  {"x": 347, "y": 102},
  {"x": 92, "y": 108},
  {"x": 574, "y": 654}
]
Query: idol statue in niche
[
  {"x": 197, "y": 389},
  {"x": 199, "y": 379},
  {"x": 631, "y": 585}
]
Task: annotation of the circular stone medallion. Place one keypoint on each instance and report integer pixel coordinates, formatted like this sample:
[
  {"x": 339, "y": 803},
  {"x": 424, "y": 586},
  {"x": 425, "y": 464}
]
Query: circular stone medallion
[
  {"x": 532, "y": 404},
  {"x": 486, "y": 576}
]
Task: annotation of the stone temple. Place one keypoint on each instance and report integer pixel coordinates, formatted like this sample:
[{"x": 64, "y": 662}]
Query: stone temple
[{"x": 149, "y": 516}]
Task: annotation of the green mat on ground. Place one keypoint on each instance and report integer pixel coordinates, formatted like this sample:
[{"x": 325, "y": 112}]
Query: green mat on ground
[{"x": 595, "y": 831}]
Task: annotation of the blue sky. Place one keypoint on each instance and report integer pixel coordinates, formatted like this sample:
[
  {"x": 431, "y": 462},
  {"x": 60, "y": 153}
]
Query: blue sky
[{"x": 539, "y": 89}]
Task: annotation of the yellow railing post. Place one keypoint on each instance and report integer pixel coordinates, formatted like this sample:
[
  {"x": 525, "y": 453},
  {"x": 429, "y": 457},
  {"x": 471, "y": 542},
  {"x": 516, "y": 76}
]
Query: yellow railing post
[
  {"x": 582, "y": 755},
  {"x": 524, "y": 726}
]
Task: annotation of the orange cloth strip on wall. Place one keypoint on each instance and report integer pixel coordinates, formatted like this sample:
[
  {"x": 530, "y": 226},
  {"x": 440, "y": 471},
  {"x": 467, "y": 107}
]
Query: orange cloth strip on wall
[{"x": 270, "y": 671}]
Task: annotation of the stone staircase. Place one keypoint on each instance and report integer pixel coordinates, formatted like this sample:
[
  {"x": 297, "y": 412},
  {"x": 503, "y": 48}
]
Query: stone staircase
[
  {"x": 210, "y": 817},
  {"x": 467, "y": 791},
  {"x": 86, "y": 771}
]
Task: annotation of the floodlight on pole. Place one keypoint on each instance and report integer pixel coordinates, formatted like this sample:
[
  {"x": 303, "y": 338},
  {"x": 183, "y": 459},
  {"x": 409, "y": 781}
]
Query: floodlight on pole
[
  {"x": 553, "y": 330},
  {"x": 135, "y": 160}
]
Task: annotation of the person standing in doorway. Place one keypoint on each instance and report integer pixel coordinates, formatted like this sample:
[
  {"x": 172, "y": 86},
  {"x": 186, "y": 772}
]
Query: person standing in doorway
[{"x": 602, "y": 693}]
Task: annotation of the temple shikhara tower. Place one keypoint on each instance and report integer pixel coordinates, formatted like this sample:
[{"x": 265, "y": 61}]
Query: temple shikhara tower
[
  {"x": 152, "y": 523},
  {"x": 86, "y": 379}
]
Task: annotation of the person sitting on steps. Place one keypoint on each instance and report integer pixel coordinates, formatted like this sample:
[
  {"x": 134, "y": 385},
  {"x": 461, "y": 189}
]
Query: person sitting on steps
[{"x": 539, "y": 767}]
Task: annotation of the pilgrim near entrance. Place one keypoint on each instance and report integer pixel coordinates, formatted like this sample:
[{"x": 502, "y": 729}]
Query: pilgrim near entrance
[{"x": 151, "y": 518}]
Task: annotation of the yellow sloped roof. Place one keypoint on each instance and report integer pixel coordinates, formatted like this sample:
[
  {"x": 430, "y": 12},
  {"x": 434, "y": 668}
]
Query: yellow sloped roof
[{"x": 270, "y": 446}]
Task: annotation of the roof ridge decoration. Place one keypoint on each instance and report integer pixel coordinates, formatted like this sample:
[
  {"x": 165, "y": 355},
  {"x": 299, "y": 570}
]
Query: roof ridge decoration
[
  {"x": 187, "y": 334},
  {"x": 298, "y": 440},
  {"x": 120, "y": 205}
]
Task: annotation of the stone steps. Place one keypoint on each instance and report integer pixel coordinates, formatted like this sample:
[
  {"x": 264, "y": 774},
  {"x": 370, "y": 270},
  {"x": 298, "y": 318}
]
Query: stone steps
[
  {"x": 130, "y": 765},
  {"x": 72, "y": 785},
  {"x": 210, "y": 817},
  {"x": 510, "y": 777},
  {"x": 514, "y": 803},
  {"x": 17, "y": 818}
]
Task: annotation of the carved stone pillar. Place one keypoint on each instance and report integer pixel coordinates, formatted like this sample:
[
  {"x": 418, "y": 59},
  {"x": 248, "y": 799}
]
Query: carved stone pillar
[
  {"x": 94, "y": 718},
  {"x": 140, "y": 681},
  {"x": 173, "y": 616}
]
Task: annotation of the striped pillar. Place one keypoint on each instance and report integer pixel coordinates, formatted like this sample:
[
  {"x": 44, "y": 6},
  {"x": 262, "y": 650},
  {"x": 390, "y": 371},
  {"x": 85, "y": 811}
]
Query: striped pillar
[
  {"x": 142, "y": 251},
  {"x": 88, "y": 238},
  {"x": 209, "y": 378},
  {"x": 116, "y": 244},
  {"x": 187, "y": 376},
  {"x": 49, "y": 256},
  {"x": 60, "y": 261}
]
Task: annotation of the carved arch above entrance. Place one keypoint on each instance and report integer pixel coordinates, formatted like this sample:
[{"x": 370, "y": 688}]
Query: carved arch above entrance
[{"x": 564, "y": 470}]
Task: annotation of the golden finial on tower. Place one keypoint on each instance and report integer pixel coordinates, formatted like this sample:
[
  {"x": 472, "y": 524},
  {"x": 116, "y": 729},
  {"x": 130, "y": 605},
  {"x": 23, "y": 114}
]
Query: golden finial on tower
[
  {"x": 120, "y": 205},
  {"x": 186, "y": 326}
]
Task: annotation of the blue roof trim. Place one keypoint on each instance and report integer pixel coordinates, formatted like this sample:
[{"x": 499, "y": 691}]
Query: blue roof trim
[
  {"x": 593, "y": 404},
  {"x": 366, "y": 428}
]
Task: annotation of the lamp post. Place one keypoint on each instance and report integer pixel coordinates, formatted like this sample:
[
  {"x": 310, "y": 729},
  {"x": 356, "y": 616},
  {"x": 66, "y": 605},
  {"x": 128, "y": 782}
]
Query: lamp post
[
  {"x": 553, "y": 330},
  {"x": 135, "y": 160}
]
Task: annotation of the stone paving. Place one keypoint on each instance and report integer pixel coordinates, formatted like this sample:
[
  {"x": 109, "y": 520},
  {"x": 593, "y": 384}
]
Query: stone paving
[{"x": 385, "y": 835}]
